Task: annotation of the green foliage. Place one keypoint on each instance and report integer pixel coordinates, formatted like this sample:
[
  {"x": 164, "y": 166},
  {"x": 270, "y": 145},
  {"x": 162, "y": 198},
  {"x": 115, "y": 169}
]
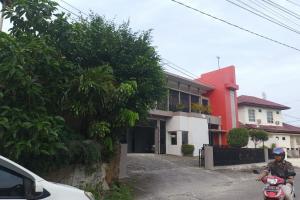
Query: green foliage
[
  {"x": 258, "y": 136},
  {"x": 238, "y": 137},
  {"x": 64, "y": 83},
  {"x": 187, "y": 149},
  {"x": 119, "y": 191},
  {"x": 273, "y": 145}
]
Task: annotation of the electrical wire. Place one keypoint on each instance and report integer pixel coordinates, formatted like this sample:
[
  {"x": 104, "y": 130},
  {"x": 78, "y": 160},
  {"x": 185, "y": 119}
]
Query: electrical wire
[
  {"x": 282, "y": 8},
  {"x": 261, "y": 5},
  {"x": 236, "y": 26},
  {"x": 296, "y": 4},
  {"x": 80, "y": 11},
  {"x": 178, "y": 70},
  {"x": 181, "y": 68},
  {"x": 262, "y": 15},
  {"x": 69, "y": 11}
]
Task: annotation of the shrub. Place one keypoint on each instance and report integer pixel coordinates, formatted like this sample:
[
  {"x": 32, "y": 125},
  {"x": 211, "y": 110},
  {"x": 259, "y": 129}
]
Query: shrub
[
  {"x": 187, "y": 149},
  {"x": 238, "y": 137}
]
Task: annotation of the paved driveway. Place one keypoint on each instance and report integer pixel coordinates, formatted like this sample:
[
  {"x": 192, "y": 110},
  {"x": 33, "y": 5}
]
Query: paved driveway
[{"x": 163, "y": 177}]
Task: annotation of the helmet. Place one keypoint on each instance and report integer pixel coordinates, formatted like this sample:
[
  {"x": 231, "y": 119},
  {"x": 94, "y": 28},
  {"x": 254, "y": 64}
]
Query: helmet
[{"x": 279, "y": 151}]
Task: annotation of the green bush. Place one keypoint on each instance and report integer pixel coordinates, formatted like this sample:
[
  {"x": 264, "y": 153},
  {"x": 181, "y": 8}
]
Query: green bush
[
  {"x": 238, "y": 137},
  {"x": 187, "y": 149}
]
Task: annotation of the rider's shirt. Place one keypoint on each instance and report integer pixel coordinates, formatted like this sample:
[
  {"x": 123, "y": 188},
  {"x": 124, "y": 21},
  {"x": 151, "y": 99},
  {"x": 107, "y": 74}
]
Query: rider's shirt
[{"x": 280, "y": 169}]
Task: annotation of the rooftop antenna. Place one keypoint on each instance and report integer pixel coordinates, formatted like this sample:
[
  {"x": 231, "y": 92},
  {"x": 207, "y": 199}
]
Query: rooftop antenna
[{"x": 218, "y": 57}]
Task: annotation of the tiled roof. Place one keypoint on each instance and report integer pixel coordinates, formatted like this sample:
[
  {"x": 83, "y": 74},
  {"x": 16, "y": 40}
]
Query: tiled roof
[
  {"x": 254, "y": 101},
  {"x": 285, "y": 128}
]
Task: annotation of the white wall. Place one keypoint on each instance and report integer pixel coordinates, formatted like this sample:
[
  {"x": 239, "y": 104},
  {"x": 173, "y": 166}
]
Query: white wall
[
  {"x": 243, "y": 115},
  {"x": 197, "y": 133},
  {"x": 272, "y": 139}
]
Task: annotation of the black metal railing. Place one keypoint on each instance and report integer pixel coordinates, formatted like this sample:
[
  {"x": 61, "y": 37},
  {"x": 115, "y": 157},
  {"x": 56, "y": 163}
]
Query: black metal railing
[{"x": 235, "y": 156}]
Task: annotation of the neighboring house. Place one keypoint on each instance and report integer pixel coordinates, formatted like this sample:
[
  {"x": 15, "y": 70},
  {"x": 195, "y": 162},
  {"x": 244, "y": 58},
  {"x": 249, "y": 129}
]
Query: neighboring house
[
  {"x": 257, "y": 113},
  {"x": 195, "y": 112}
]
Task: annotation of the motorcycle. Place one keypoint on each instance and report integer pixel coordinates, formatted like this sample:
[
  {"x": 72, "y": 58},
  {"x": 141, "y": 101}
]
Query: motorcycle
[{"x": 272, "y": 189}]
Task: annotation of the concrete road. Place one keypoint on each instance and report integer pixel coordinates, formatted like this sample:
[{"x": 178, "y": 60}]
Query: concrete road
[{"x": 157, "y": 177}]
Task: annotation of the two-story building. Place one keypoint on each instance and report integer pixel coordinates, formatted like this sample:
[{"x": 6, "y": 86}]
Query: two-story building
[
  {"x": 194, "y": 112},
  {"x": 257, "y": 113}
]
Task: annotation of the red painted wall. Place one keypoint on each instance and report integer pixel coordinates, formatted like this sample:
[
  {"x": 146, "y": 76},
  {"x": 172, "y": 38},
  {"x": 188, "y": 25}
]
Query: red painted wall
[{"x": 223, "y": 80}]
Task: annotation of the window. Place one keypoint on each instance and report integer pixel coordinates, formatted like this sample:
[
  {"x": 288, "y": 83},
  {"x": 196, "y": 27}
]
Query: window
[
  {"x": 270, "y": 117},
  {"x": 251, "y": 115},
  {"x": 277, "y": 112},
  {"x": 173, "y": 99},
  {"x": 11, "y": 185},
  {"x": 283, "y": 138},
  {"x": 259, "y": 110},
  {"x": 185, "y": 137},
  {"x": 173, "y": 136},
  {"x": 205, "y": 102},
  {"x": 184, "y": 100},
  {"x": 277, "y": 138}
]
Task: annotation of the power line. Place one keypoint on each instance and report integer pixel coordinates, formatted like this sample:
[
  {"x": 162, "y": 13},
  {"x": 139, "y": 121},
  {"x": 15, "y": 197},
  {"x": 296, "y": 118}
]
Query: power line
[
  {"x": 168, "y": 65},
  {"x": 263, "y": 15},
  {"x": 80, "y": 11},
  {"x": 261, "y": 5},
  {"x": 168, "y": 61},
  {"x": 296, "y": 4},
  {"x": 282, "y": 8},
  {"x": 236, "y": 26},
  {"x": 69, "y": 11}
]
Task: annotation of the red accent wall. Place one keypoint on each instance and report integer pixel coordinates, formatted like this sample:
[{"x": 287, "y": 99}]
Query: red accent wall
[{"x": 223, "y": 80}]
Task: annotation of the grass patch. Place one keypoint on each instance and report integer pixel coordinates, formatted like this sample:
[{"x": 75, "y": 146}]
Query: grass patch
[{"x": 118, "y": 191}]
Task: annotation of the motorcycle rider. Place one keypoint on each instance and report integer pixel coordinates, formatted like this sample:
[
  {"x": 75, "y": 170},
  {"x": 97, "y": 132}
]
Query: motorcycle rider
[{"x": 281, "y": 168}]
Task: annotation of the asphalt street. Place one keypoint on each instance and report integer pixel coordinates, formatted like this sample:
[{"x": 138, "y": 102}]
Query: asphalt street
[{"x": 161, "y": 177}]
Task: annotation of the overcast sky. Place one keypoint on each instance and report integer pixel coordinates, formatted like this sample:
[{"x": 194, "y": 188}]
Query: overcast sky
[{"x": 193, "y": 41}]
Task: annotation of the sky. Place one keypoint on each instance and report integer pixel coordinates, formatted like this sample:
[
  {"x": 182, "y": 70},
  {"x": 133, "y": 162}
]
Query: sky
[{"x": 193, "y": 41}]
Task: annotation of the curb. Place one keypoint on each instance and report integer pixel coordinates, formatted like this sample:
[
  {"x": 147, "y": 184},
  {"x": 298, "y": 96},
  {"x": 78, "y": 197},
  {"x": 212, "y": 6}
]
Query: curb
[{"x": 241, "y": 167}]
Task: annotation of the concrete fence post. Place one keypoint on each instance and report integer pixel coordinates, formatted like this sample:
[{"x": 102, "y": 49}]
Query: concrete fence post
[
  {"x": 266, "y": 152},
  {"x": 209, "y": 157},
  {"x": 123, "y": 162}
]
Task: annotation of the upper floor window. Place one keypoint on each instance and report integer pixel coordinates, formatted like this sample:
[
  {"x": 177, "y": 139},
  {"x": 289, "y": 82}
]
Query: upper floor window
[
  {"x": 251, "y": 115},
  {"x": 270, "y": 117}
]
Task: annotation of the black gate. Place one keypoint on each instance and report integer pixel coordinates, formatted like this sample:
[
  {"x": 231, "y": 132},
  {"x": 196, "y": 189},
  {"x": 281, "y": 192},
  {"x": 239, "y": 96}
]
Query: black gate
[{"x": 235, "y": 156}]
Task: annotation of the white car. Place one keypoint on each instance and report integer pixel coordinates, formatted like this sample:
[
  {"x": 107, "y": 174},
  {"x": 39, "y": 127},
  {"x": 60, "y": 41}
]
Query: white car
[{"x": 16, "y": 182}]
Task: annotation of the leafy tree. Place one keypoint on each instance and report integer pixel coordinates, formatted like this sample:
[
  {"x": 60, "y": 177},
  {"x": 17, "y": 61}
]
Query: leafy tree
[
  {"x": 258, "y": 136},
  {"x": 238, "y": 137},
  {"x": 63, "y": 81}
]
